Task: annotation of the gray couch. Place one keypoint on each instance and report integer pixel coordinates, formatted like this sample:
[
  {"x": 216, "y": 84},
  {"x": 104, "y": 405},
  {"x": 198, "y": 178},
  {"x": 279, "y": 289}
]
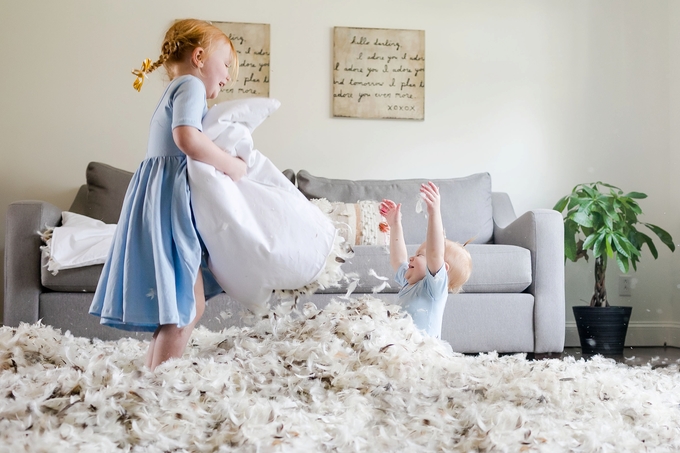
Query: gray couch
[{"x": 513, "y": 302}]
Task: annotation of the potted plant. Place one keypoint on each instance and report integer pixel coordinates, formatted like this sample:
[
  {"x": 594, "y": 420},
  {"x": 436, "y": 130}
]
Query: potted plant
[{"x": 601, "y": 219}]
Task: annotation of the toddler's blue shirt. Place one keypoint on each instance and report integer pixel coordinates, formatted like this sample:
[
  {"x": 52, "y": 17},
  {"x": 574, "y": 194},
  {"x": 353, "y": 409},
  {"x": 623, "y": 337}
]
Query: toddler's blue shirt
[{"x": 425, "y": 300}]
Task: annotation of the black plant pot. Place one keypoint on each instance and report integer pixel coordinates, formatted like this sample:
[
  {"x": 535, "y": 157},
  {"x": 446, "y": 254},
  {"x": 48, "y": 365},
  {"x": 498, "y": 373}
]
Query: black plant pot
[{"x": 602, "y": 330}]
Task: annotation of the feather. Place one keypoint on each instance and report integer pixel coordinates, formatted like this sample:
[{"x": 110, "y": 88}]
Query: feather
[{"x": 373, "y": 273}]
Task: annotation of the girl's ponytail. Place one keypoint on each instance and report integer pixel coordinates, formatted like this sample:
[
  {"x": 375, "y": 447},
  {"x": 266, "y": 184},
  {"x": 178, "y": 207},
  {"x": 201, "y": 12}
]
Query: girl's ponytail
[
  {"x": 141, "y": 74},
  {"x": 147, "y": 68}
]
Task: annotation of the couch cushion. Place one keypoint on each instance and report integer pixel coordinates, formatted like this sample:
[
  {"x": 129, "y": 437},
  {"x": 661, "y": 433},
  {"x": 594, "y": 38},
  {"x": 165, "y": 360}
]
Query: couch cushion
[
  {"x": 290, "y": 174},
  {"x": 79, "y": 279},
  {"x": 466, "y": 202},
  {"x": 495, "y": 269},
  {"x": 498, "y": 269},
  {"x": 106, "y": 187},
  {"x": 79, "y": 205}
]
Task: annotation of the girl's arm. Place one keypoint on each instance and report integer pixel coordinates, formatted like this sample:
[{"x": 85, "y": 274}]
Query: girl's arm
[
  {"x": 434, "y": 250},
  {"x": 392, "y": 213},
  {"x": 198, "y": 146}
]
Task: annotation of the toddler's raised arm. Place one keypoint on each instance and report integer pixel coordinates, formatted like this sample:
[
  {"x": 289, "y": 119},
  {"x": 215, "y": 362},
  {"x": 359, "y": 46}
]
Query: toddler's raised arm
[
  {"x": 435, "y": 229},
  {"x": 392, "y": 213}
]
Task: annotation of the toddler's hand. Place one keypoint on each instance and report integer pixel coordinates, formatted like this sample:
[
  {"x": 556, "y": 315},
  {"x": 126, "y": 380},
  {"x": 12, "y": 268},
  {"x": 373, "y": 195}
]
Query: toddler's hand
[
  {"x": 430, "y": 194},
  {"x": 391, "y": 211}
]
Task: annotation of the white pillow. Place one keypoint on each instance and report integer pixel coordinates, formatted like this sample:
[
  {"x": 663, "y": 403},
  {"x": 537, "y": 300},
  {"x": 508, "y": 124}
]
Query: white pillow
[
  {"x": 79, "y": 241},
  {"x": 250, "y": 112},
  {"x": 261, "y": 233},
  {"x": 229, "y": 124}
]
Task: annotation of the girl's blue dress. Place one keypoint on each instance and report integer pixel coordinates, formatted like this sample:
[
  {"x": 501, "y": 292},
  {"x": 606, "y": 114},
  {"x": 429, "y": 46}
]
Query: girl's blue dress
[{"x": 148, "y": 278}]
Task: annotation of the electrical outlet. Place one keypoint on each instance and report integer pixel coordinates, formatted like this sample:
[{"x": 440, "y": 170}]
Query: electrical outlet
[{"x": 624, "y": 285}]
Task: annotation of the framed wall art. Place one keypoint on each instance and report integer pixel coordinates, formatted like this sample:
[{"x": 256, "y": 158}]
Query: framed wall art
[
  {"x": 252, "y": 45},
  {"x": 378, "y": 73}
]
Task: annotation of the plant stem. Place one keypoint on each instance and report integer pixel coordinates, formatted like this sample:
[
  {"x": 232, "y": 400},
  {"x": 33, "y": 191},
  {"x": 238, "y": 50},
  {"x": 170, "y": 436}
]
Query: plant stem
[{"x": 600, "y": 293}]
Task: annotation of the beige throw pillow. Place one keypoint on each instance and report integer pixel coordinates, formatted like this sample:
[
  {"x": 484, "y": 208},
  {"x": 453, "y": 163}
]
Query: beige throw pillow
[{"x": 358, "y": 223}]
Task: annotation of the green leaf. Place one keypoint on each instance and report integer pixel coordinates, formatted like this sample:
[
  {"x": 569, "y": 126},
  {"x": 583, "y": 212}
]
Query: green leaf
[
  {"x": 663, "y": 235},
  {"x": 560, "y": 205},
  {"x": 582, "y": 219},
  {"x": 623, "y": 263},
  {"x": 621, "y": 246},
  {"x": 608, "y": 185},
  {"x": 611, "y": 210},
  {"x": 573, "y": 201},
  {"x": 591, "y": 192},
  {"x": 644, "y": 239},
  {"x": 589, "y": 241},
  {"x": 638, "y": 195},
  {"x": 585, "y": 204},
  {"x": 569, "y": 245},
  {"x": 597, "y": 247},
  {"x": 630, "y": 207},
  {"x": 608, "y": 246}
]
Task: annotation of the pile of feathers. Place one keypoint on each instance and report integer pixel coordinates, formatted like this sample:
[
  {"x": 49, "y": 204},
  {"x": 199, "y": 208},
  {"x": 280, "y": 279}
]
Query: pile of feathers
[{"x": 355, "y": 376}]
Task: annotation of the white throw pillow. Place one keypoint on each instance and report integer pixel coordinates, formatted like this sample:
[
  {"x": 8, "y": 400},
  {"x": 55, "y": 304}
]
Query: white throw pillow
[
  {"x": 358, "y": 223},
  {"x": 79, "y": 241}
]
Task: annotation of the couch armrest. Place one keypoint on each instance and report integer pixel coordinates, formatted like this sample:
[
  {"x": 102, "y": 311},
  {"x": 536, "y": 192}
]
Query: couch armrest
[
  {"x": 542, "y": 232},
  {"x": 25, "y": 219}
]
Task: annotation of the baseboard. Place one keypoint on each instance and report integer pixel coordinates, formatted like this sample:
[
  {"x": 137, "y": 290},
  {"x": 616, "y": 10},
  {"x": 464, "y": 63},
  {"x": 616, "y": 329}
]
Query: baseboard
[{"x": 639, "y": 334}]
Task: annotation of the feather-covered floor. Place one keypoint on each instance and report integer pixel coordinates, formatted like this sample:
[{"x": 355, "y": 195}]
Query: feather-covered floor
[{"x": 356, "y": 376}]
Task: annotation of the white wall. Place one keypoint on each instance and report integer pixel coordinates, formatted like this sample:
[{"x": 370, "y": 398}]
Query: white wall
[{"x": 543, "y": 95}]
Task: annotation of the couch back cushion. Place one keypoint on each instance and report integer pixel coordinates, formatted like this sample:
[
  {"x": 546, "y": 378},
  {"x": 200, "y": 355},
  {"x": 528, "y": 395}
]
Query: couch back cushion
[
  {"x": 106, "y": 187},
  {"x": 466, "y": 202}
]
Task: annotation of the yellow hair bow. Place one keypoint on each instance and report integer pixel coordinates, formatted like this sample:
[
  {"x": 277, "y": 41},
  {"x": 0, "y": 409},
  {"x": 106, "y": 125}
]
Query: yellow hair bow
[{"x": 141, "y": 74}]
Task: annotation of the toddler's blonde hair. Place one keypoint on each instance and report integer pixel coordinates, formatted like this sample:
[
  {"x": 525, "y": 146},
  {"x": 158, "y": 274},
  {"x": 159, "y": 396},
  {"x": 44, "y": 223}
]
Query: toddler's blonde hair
[
  {"x": 181, "y": 39},
  {"x": 460, "y": 264}
]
